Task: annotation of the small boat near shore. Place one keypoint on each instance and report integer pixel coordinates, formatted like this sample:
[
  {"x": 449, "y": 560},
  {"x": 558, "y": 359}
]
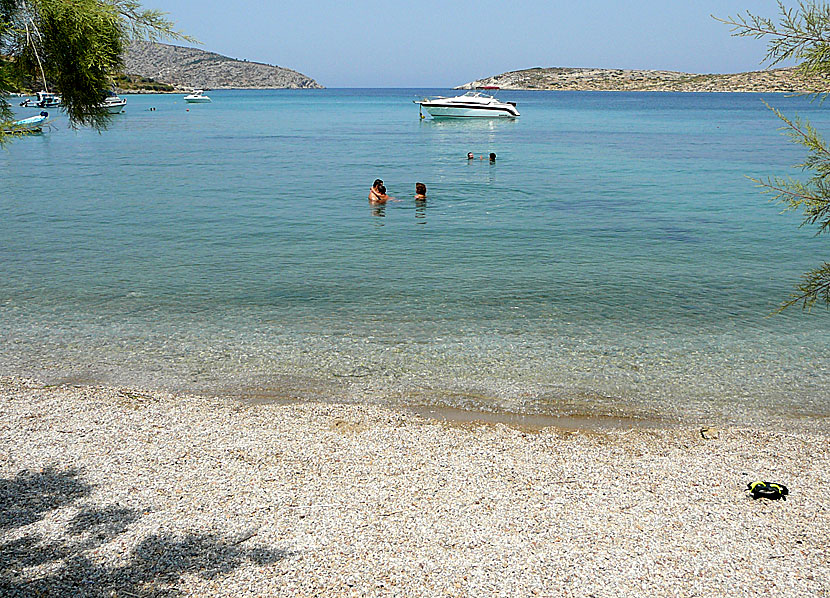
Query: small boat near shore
[
  {"x": 113, "y": 104},
  {"x": 43, "y": 99},
  {"x": 33, "y": 124},
  {"x": 473, "y": 104},
  {"x": 197, "y": 97}
]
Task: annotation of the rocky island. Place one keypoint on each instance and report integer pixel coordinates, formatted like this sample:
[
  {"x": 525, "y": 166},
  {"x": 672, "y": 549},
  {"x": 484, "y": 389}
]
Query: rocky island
[
  {"x": 593, "y": 79},
  {"x": 187, "y": 68}
]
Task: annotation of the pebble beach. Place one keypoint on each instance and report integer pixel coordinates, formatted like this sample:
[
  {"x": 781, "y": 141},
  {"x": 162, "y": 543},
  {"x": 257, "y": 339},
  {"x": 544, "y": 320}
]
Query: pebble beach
[{"x": 122, "y": 493}]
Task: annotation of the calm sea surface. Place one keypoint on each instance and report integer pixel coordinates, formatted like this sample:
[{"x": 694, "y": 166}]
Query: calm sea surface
[{"x": 614, "y": 260}]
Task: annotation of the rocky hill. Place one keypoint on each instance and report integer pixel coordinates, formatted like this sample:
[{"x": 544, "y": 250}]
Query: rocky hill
[
  {"x": 187, "y": 68},
  {"x": 587, "y": 79}
]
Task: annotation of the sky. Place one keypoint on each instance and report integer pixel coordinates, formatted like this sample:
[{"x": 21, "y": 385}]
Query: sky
[{"x": 432, "y": 43}]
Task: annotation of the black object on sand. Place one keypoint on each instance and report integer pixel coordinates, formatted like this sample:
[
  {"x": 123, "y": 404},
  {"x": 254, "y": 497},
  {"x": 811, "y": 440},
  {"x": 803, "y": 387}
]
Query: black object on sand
[{"x": 770, "y": 490}]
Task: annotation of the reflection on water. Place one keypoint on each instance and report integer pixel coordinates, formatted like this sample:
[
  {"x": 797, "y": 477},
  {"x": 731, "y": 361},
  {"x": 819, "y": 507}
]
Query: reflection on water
[
  {"x": 470, "y": 124},
  {"x": 421, "y": 211},
  {"x": 482, "y": 135},
  {"x": 380, "y": 212}
]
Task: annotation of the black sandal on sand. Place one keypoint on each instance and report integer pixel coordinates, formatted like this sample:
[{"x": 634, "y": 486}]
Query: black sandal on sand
[{"x": 770, "y": 490}]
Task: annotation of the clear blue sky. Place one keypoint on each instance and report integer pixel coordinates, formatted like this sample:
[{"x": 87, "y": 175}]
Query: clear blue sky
[{"x": 431, "y": 43}]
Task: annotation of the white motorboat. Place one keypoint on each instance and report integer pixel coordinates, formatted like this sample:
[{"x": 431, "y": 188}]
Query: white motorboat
[
  {"x": 113, "y": 104},
  {"x": 43, "y": 99},
  {"x": 473, "y": 104},
  {"x": 197, "y": 97},
  {"x": 33, "y": 124}
]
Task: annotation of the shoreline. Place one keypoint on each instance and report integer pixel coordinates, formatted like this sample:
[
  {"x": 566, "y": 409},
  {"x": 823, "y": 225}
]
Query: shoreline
[
  {"x": 116, "y": 492},
  {"x": 574, "y": 409},
  {"x": 183, "y": 92},
  {"x": 683, "y": 91}
]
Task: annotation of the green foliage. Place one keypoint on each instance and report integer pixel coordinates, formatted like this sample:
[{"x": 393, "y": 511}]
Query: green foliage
[
  {"x": 6, "y": 84},
  {"x": 815, "y": 286},
  {"x": 72, "y": 47},
  {"x": 802, "y": 34},
  {"x": 811, "y": 197},
  {"x": 135, "y": 82},
  {"x": 88, "y": 33}
]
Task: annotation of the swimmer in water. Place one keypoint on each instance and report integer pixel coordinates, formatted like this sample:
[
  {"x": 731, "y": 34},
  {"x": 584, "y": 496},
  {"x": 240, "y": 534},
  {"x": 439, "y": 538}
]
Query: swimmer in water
[
  {"x": 378, "y": 195},
  {"x": 374, "y": 193}
]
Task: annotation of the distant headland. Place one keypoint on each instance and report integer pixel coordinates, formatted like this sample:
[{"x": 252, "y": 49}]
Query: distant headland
[
  {"x": 590, "y": 79},
  {"x": 188, "y": 68}
]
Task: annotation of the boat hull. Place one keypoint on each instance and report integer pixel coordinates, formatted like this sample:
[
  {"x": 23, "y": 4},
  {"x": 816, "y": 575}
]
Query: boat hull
[
  {"x": 115, "y": 107},
  {"x": 45, "y": 103},
  {"x": 197, "y": 100},
  {"x": 453, "y": 112},
  {"x": 472, "y": 104},
  {"x": 33, "y": 124}
]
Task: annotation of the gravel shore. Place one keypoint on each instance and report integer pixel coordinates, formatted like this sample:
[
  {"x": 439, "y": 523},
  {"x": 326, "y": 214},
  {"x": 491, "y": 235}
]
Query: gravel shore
[{"x": 119, "y": 493}]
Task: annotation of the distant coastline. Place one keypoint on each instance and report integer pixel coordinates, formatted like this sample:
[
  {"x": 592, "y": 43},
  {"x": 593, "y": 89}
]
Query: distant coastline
[
  {"x": 185, "y": 68},
  {"x": 592, "y": 79}
]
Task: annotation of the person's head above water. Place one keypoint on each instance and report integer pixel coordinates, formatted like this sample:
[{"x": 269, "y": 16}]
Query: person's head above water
[
  {"x": 420, "y": 190},
  {"x": 381, "y": 188},
  {"x": 377, "y": 183},
  {"x": 492, "y": 157},
  {"x": 470, "y": 156}
]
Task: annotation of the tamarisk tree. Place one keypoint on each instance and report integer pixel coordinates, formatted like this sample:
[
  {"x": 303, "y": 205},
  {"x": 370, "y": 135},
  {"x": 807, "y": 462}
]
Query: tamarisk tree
[
  {"x": 801, "y": 34},
  {"x": 72, "y": 47}
]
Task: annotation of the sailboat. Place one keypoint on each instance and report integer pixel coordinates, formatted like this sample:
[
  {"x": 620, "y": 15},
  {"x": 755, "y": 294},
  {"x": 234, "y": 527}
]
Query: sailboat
[{"x": 43, "y": 99}]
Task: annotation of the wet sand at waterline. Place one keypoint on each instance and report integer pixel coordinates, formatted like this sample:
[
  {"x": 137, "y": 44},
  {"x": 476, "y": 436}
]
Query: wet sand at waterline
[{"x": 119, "y": 492}]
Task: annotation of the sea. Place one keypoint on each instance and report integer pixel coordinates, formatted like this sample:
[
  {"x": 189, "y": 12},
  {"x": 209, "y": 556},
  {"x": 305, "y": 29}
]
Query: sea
[{"x": 616, "y": 260}]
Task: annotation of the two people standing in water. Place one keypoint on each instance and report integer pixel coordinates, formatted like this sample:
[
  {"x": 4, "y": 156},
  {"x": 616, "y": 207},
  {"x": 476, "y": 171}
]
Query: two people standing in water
[{"x": 378, "y": 196}]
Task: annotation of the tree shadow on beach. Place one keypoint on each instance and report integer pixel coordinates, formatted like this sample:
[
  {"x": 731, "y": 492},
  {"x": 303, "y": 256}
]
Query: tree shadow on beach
[
  {"x": 65, "y": 558},
  {"x": 25, "y": 498}
]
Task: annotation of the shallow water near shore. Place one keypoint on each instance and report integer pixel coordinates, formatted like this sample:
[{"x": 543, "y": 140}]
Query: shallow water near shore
[{"x": 614, "y": 261}]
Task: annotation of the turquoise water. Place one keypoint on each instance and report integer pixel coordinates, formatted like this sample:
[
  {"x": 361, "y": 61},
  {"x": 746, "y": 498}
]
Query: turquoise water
[{"x": 614, "y": 260}]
